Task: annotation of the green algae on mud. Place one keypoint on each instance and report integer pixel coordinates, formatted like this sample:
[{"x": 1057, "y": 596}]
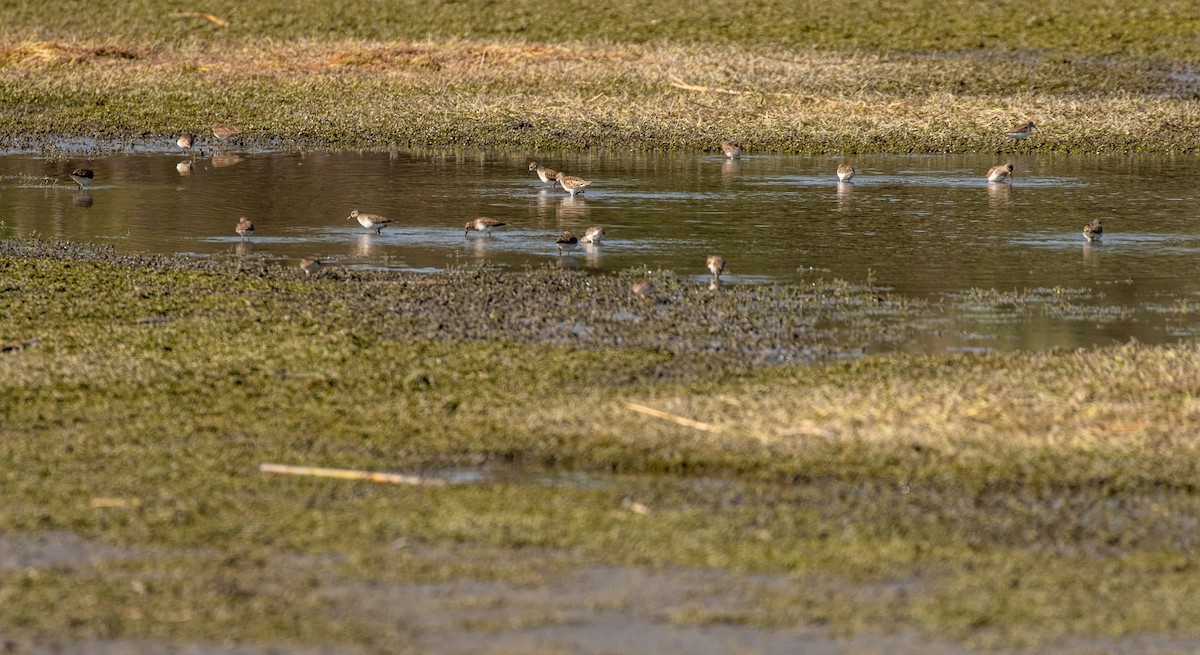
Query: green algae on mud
[{"x": 994, "y": 485}]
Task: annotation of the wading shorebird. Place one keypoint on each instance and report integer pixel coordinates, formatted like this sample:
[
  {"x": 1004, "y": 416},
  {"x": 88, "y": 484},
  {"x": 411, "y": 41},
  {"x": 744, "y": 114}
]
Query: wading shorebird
[
  {"x": 845, "y": 172},
  {"x": 1021, "y": 131},
  {"x": 185, "y": 141},
  {"x": 999, "y": 173},
  {"x": 225, "y": 131},
  {"x": 546, "y": 175},
  {"x": 1093, "y": 231},
  {"x": 642, "y": 287},
  {"x": 716, "y": 264},
  {"x": 594, "y": 234},
  {"x": 83, "y": 176},
  {"x": 732, "y": 149},
  {"x": 572, "y": 184},
  {"x": 310, "y": 265},
  {"x": 244, "y": 227},
  {"x": 483, "y": 224},
  {"x": 370, "y": 221},
  {"x": 568, "y": 242}
]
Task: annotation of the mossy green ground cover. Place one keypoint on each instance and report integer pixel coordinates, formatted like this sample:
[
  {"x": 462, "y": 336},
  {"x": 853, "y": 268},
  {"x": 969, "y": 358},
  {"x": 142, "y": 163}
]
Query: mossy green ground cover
[
  {"x": 1021, "y": 499},
  {"x": 1015, "y": 499}
]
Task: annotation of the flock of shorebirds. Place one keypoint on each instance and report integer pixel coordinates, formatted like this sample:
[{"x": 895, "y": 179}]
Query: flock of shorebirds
[{"x": 568, "y": 241}]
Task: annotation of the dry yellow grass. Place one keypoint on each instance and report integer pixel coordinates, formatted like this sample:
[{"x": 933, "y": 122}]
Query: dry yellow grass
[{"x": 579, "y": 95}]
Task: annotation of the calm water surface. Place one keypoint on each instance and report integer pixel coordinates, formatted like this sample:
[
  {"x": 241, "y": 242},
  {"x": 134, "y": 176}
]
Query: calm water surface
[{"x": 920, "y": 226}]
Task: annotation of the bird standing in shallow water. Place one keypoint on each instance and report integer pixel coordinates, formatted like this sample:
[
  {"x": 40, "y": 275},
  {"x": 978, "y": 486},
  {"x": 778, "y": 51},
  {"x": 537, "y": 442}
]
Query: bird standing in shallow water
[
  {"x": 546, "y": 175},
  {"x": 845, "y": 172},
  {"x": 483, "y": 224},
  {"x": 1093, "y": 231},
  {"x": 732, "y": 149},
  {"x": 1021, "y": 131},
  {"x": 370, "y": 221},
  {"x": 999, "y": 173},
  {"x": 567, "y": 242},
  {"x": 572, "y": 184},
  {"x": 594, "y": 234},
  {"x": 244, "y": 227},
  {"x": 83, "y": 176},
  {"x": 716, "y": 264}
]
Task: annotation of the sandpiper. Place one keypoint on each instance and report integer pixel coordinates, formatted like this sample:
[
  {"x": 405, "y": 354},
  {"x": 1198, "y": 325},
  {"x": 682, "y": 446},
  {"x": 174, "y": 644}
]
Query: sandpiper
[
  {"x": 1093, "y": 231},
  {"x": 546, "y": 175},
  {"x": 716, "y": 264},
  {"x": 185, "y": 141},
  {"x": 370, "y": 221},
  {"x": 567, "y": 242},
  {"x": 642, "y": 287},
  {"x": 732, "y": 149},
  {"x": 572, "y": 184},
  {"x": 999, "y": 173},
  {"x": 244, "y": 227},
  {"x": 594, "y": 234},
  {"x": 224, "y": 131},
  {"x": 483, "y": 224},
  {"x": 310, "y": 265},
  {"x": 82, "y": 176},
  {"x": 1021, "y": 131},
  {"x": 845, "y": 172}
]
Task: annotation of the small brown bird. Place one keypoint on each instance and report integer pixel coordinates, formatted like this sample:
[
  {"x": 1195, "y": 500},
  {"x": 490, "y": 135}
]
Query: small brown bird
[
  {"x": 83, "y": 176},
  {"x": 572, "y": 184},
  {"x": 225, "y": 131},
  {"x": 310, "y": 265},
  {"x": 732, "y": 149},
  {"x": 999, "y": 173},
  {"x": 1093, "y": 231},
  {"x": 370, "y": 221},
  {"x": 567, "y": 242},
  {"x": 244, "y": 227},
  {"x": 594, "y": 234},
  {"x": 546, "y": 175},
  {"x": 642, "y": 287},
  {"x": 1021, "y": 131},
  {"x": 845, "y": 172},
  {"x": 185, "y": 141},
  {"x": 482, "y": 224},
  {"x": 716, "y": 264}
]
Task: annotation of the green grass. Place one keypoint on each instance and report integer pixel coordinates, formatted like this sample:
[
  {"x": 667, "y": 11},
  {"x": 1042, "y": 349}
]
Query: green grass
[{"x": 1028, "y": 498}]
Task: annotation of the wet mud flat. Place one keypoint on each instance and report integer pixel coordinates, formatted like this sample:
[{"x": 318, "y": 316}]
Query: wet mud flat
[{"x": 747, "y": 325}]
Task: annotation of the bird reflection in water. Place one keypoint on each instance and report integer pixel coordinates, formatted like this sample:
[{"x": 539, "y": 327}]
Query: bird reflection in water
[{"x": 82, "y": 199}]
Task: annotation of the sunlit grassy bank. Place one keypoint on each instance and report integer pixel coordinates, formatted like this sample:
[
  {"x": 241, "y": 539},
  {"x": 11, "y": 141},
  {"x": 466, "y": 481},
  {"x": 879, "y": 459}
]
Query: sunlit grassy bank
[
  {"x": 937, "y": 77},
  {"x": 1002, "y": 499}
]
